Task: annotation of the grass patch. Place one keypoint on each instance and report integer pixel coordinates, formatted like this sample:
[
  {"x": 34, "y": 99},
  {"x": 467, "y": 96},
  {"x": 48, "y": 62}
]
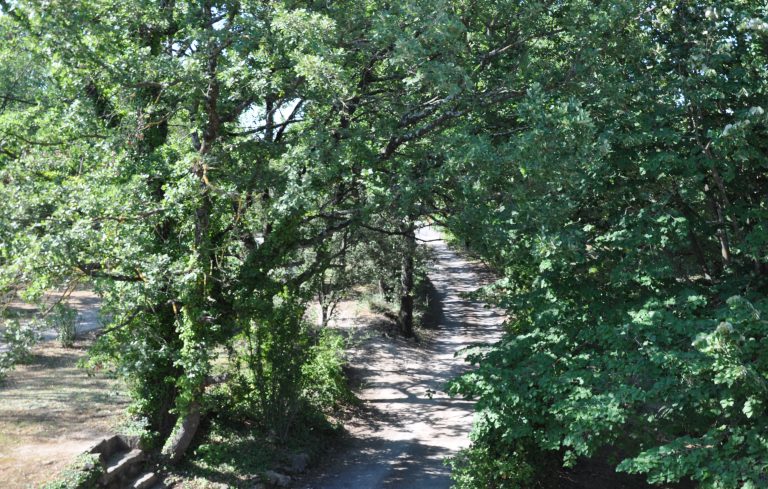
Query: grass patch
[
  {"x": 228, "y": 456},
  {"x": 83, "y": 473}
]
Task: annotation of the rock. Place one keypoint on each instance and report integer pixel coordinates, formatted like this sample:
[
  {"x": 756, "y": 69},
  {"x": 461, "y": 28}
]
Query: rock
[
  {"x": 277, "y": 479},
  {"x": 299, "y": 463}
]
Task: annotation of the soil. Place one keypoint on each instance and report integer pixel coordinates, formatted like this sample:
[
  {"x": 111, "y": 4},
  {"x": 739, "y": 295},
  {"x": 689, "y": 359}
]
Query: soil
[{"x": 410, "y": 425}]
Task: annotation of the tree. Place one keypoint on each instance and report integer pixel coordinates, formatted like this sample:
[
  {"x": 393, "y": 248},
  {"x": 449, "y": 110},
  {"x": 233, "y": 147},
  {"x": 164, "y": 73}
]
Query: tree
[
  {"x": 208, "y": 165},
  {"x": 191, "y": 159},
  {"x": 624, "y": 219},
  {"x": 150, "y": 180}
]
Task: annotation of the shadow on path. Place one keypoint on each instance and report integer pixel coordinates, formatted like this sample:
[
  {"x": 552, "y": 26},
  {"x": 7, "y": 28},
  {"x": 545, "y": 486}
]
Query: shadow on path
[{"x": 415, "y": 425}]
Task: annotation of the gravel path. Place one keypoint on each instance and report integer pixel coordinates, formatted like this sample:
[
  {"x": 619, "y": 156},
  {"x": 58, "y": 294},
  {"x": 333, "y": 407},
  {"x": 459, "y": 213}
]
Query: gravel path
[{"x": 404, "y": 443}]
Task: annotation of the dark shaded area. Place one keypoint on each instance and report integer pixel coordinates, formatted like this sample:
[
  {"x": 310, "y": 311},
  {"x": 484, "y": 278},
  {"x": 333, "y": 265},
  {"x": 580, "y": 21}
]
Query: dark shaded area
[
  {"x": 600, "y": 472},
  {"x": 429, "y": 304},
  {"x": 378, "y": 462}
]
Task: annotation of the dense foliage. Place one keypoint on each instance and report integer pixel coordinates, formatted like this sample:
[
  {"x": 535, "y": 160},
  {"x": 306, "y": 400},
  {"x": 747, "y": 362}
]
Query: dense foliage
[
  {"x": 210, "y": 167},
  {"x": 628, "y": 220}
]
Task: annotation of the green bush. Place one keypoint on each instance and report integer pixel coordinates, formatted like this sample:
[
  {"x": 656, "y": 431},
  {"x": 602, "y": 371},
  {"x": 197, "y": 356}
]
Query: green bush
[
  {"x": 18, "y": 340},
  {"x": 630, "y": 229},
  {"x": 63, "y": 319},
  {"x": 481, "y": 466},
  {"x": 276, "y": 348},
  {"x": 324, "y": 384},
  {"x": 140, "y": 428}
]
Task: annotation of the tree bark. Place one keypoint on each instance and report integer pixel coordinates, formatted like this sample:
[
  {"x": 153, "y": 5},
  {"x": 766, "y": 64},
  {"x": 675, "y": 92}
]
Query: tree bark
[
  {"x": 190, "y": 416},
  {"x": 691, "y": 219},
  {"x": 186, "y": 427},
  {"x": 722, "y": 231}
]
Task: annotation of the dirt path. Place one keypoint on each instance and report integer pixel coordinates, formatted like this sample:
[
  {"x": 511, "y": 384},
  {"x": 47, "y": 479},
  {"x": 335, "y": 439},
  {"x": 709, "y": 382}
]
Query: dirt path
[{"x": 409, "y": 435}]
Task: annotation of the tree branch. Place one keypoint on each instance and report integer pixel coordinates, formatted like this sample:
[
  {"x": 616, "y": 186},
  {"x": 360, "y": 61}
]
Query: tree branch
[{"x": 95, "y": 270}]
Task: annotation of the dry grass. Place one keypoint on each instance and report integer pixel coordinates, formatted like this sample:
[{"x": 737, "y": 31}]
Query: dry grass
[{"x": 51, "y": 411}]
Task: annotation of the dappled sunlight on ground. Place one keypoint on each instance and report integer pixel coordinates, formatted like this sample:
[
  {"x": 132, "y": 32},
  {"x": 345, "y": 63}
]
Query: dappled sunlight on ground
[
  {"x": 412, "y": 425},
  {"x": 50, "y": 412},
  {"x": 84, "y": 301}
]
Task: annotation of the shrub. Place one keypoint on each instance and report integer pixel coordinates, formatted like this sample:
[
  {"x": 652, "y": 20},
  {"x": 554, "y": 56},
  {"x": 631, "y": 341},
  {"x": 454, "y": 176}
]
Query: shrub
[
  {"x": 139, "y": 428},
  {"x": 479, "y": 466},
  {"x": 84, "y": 473},
  {"x": 63, "y": 319},
  {"x": 18, "y": 340},
  {"x": 324, "y": 385}
]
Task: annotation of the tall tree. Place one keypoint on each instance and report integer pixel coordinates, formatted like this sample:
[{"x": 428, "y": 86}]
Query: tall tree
[
  {"x": 155, "y": 147},
  {"x": 191, "y": 159}
]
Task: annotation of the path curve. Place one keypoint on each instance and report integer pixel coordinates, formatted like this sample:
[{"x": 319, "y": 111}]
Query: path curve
[{"x": 404, "y": 444}]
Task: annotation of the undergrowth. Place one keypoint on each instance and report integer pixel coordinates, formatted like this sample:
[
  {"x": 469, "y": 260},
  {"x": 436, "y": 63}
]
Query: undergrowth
[{"x": 83, "y": 473}]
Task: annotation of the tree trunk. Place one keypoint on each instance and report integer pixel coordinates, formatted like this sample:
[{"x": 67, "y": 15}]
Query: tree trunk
[
  {"x": 405, "y": 316},
  {"x": 324, "y": 316},
  {"x": 722, "y": 232},
  {"x": 691, "y": 219},
  {"x": 183, "y": 433},
  {"x": 190, "y": 413}
]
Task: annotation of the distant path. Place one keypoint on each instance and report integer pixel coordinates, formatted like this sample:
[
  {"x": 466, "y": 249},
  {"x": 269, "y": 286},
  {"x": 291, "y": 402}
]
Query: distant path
[
  {"x": 84, "y": 301},
  {"x": 410, "y": 435}
]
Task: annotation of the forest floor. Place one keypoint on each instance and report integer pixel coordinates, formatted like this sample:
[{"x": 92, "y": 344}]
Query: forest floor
[
  {"x": 410, "y": 426},
  {"x": 82, "y": 300}
]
